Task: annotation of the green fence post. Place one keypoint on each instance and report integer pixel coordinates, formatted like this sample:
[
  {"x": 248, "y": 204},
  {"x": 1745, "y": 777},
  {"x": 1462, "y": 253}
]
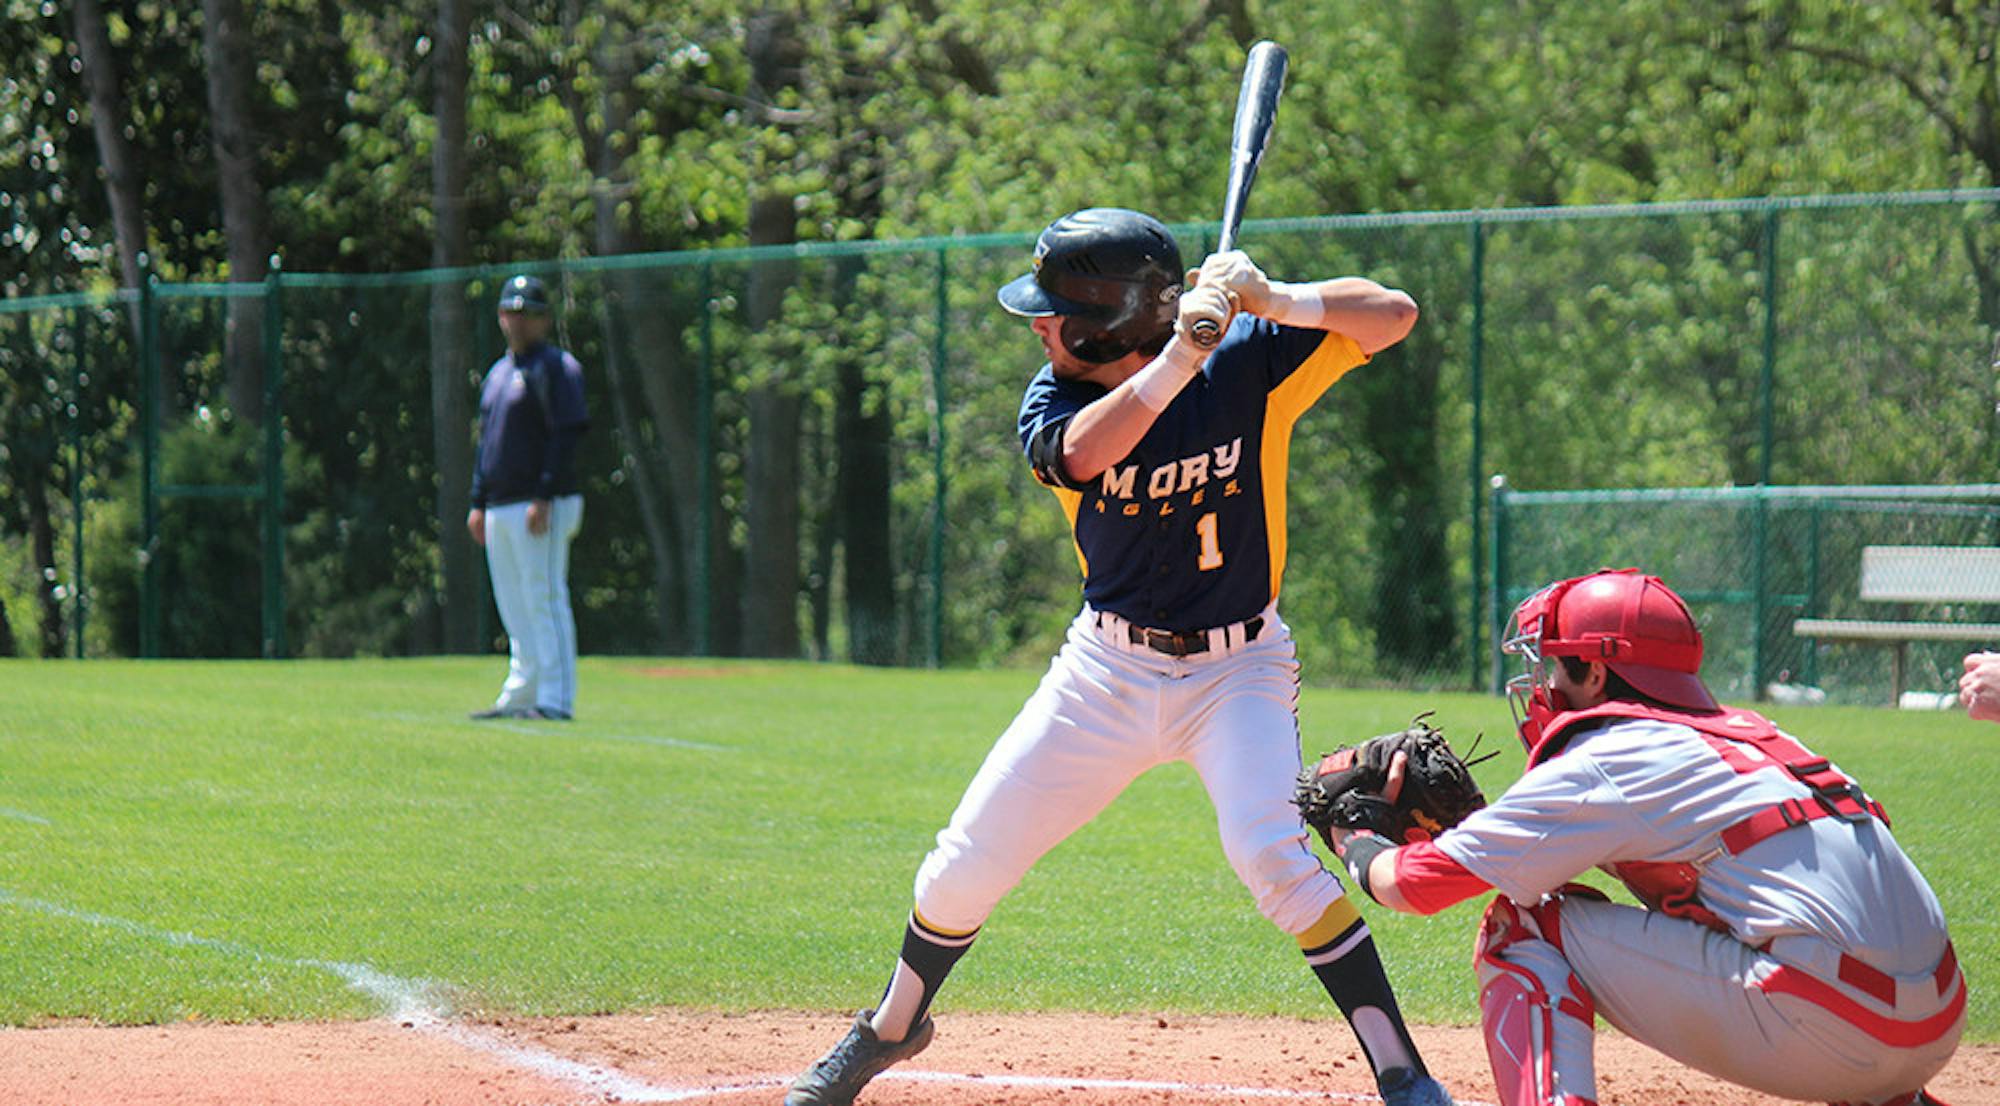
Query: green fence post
[
  {"x": 79, "y": 375},
  {"x": 1477, "y": 358},
  {"x": 1766, "y": 396},
  {"x": 704, "y": 407},
  {"x": 1499, "y": 555},
  {"x": 938, "y": 464},
  {"x": 1766, "y": 381},
  {"x": 149, "y": 463},
  {"x": 1810, "y": 670},
  {"x": 274, "y": 463},
  {"x": 1760, "y": 600}
]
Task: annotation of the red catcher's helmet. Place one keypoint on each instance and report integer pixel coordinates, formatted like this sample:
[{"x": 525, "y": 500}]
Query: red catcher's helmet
[{"x": 1631, "y": 622}]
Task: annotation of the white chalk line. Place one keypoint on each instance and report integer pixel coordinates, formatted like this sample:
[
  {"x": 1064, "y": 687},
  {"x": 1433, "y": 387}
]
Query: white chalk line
[
  {"x": 24, "y": 816},
  {"x": 410, "y": 1001},
  {"x": 414, "y": 1002},
  {"x": 1071, "y": 1083}
]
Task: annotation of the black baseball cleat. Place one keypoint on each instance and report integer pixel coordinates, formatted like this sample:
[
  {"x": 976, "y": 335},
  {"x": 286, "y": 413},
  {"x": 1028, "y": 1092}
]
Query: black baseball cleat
[
  {"x": 489, "y": 714},
  {"x": 1410, "y": 1087},
  {"x": 847, "y": 1067}
]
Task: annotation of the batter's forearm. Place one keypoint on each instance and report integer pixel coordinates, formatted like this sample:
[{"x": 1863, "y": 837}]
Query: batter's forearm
[
  {"x": 1104, "y": 432},
  {"x": 1110, "y": 427},
  {"x": 1374, "y": 316}
]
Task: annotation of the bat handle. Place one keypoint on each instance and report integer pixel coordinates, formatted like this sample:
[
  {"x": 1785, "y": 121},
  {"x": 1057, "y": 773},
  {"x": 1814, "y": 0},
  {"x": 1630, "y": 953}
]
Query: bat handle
[{"x": 1205, "y": 333}]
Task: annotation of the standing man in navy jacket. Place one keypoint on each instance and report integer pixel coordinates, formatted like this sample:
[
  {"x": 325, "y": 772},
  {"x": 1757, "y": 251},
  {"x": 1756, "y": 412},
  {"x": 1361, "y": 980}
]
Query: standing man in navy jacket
[{"x": 527, "y": 506}]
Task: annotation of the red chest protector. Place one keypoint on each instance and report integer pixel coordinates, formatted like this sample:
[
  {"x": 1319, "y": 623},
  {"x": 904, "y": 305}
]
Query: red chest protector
[{"x": 1747, "y": 742}]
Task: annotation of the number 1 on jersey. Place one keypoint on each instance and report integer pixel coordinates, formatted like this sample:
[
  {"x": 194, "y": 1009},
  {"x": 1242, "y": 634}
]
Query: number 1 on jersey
[{"x": 1211, "y": 547}]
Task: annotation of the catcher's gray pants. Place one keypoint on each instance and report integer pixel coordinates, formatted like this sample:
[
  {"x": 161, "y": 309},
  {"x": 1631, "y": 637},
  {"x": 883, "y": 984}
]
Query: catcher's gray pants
[{"x": 1781, "y": 1022}]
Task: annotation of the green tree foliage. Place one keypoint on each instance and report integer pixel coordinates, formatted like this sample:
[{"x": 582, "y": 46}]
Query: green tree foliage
[{"x": 1616, "y": 352}]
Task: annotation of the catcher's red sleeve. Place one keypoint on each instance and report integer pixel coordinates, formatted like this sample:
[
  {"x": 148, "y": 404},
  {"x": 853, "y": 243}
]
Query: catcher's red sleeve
[{"x": 1430, "y": 881}]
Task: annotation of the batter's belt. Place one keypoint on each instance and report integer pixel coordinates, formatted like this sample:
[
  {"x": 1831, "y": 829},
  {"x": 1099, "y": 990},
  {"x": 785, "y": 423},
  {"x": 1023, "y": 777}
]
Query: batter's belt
[{"x": 1182, "y": 643}]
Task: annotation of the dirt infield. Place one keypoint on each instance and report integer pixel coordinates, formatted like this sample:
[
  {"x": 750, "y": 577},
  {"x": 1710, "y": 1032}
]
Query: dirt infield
[{"x": 709, "y": 1058}]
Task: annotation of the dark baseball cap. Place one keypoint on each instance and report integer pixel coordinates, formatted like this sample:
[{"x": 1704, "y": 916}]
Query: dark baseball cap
[{"x": 524, "y": 293}]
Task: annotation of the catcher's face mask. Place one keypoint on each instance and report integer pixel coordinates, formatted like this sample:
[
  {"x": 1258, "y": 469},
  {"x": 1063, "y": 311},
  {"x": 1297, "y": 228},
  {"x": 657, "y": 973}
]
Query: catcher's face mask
[{"x": 1533, "y": 702}]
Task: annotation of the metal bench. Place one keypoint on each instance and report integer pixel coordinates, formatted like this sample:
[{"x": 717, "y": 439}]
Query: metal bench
[{"x": 1916, "y": 574}]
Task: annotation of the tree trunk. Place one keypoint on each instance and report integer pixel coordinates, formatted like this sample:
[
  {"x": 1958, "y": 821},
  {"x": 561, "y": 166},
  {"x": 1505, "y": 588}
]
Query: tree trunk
[
  {"x": 771, "y": 463},
  {"x": 108, "y": 116},
  {"x": 664, "y": 475},
  {"x": 450, "y": 333},
  {"x": 42, "y": 538},
  {"x": 231, "y": 74},
  {"x": 7, "y": 647},
  {"x": 771, "y": 575},
  {"x": 625, "y": 302},
  {"x": 862, "y": 431},
  {"x": 862, "y": 419}
]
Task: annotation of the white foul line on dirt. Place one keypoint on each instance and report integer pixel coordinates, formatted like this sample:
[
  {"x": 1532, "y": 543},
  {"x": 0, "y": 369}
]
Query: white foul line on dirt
[
  {"x": 1072, "y": 1083},
  {"x": 1168, "y": 1086},
  {"x": 413, "y": 1003},
  {"x": 409, "y": 1001}
]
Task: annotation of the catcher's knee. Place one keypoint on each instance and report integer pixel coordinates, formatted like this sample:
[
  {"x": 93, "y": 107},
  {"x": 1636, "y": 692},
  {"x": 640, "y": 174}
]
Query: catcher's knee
[{"x": 1536, "y": 1014}]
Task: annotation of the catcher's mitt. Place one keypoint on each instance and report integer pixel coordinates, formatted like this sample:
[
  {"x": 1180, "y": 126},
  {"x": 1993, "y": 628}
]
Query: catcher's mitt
[{"x": 1346, "y": 787}]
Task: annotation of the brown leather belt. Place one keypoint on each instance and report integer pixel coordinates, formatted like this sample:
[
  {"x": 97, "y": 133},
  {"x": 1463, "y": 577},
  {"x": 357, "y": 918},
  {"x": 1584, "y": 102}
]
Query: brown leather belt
[{"x": 1185, "y": 643}]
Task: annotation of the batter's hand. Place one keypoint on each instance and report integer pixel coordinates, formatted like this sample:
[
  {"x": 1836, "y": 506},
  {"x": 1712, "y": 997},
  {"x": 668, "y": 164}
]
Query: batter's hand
[
  {"x": 1979, "y": 687},
  {"x": 1234, "y": 272},
  {"x": 475, "y": 524},
  {"x": 538, "y": 517},
  {"x": 1205, "y": 302}
]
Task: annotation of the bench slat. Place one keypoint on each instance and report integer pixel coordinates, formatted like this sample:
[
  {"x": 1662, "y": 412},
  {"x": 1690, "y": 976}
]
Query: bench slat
[
  {"x": 1930, "y": 573},
  {"x": 1862, "y": 629}
]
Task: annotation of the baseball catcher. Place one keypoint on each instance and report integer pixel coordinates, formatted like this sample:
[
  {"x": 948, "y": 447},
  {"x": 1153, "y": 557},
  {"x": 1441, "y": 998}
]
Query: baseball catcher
[
  {"x": 1406, "y": 786},
  {"x": 1783, "y": 940}
]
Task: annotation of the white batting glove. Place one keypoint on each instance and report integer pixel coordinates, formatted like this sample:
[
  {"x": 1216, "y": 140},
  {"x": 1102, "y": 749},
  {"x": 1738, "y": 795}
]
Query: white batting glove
[
  {"x": 1234, "y": 272},
  {"x": 1290, "y": 304},
  {"x": 1205, "y": 301}
]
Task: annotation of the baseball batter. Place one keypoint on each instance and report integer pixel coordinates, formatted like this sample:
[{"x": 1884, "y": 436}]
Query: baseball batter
[
  {"x": 1170, "y": 464},
  {"x": 1787, "y": 943}
]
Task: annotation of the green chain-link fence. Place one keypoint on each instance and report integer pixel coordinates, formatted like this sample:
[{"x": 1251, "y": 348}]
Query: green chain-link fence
[
  {"x": 811, "y": 450},
  {"x": 1752, "y": 562}
]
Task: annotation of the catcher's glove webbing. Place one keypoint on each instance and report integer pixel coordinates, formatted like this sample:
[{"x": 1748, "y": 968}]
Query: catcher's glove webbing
[{"x": 1346, "y": 788}]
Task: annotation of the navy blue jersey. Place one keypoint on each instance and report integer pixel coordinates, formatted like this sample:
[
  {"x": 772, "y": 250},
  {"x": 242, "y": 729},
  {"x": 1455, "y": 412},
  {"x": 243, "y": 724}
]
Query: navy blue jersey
[
  {"x": 1187, "y": 532},
  {"x": 531, "y": 413}
]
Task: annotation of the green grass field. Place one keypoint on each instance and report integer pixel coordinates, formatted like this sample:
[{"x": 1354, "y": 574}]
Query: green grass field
[{"x": 720, "y": 835}]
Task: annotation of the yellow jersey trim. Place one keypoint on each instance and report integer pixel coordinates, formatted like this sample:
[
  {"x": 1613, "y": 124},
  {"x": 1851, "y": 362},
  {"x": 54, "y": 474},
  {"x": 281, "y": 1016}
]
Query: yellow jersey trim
[
  {"x": 1072, "y": 502},
  {"x": 1331, "y": 360}
]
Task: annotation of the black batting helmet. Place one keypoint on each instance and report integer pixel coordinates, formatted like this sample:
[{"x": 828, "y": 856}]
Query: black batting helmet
[
  {"x": 524, "y": 293},
  {"x": 1115, "y": 277}
]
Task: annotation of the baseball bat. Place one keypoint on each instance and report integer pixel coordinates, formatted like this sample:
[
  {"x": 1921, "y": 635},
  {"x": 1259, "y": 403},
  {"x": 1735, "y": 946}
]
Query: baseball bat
[{"x": 1256, "y": 110}]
